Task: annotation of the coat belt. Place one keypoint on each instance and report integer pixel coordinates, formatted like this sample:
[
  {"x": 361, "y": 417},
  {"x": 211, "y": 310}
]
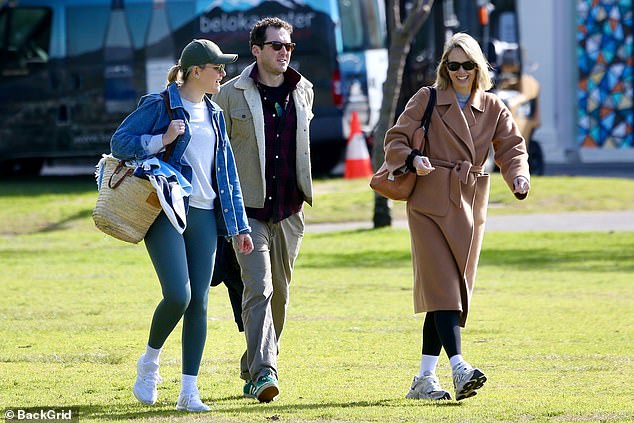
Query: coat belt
[{"x": 460, "y": 171}]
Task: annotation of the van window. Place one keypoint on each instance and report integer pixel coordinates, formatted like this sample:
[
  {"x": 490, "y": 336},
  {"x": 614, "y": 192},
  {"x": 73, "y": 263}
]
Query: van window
[
  {"x": 3, "y": 27},
  {"x": 507, "y": 27},
  {"x": 375, "y": 24},
  {"x": 364, "y": 28},
  {"x": 468, "y": 18},
  {"x": 352, "y": 33},
  {"x": 86, "y": 29},
  {"x": 27, "y": 32}
]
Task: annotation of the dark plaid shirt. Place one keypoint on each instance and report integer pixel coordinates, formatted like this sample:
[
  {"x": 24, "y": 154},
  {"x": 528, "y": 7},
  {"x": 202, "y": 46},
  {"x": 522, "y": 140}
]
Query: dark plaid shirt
[{"x": 283, "y": 197}]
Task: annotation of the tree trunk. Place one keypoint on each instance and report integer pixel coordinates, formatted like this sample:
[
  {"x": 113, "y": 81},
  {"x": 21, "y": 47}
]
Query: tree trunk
[{"x": 401, "y": 34}]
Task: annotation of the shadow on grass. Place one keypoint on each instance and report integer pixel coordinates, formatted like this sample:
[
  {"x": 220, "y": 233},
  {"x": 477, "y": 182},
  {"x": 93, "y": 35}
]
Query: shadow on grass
[
  {"x": 35, "y": 227},
  {"x": 40, "y": 185},
  {"x": 250, "y": 407},
  {"x": 59, "y": 225},
  {"x": 597, "y": 259},
  {"x": 371, "y": 258},
  {"x": 558, "y": 251}
]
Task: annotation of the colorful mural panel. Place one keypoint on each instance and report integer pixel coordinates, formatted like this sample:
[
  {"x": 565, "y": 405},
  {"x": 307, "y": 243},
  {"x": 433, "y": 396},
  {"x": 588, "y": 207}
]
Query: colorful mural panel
[{"x": 604, "y": 54}]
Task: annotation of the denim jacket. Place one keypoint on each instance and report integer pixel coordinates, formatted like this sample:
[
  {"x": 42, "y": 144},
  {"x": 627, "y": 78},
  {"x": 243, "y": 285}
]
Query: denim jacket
[{"x": 131, "y": 141}]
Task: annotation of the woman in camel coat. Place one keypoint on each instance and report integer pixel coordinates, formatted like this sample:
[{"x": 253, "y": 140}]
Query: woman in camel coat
[{"x": 447, "y": 209}]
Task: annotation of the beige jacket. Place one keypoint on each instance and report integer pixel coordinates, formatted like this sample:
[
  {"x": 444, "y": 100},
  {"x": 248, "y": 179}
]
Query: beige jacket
[
  {"x": 242, "y": 105},
  {"x": 447, "y": 209}
]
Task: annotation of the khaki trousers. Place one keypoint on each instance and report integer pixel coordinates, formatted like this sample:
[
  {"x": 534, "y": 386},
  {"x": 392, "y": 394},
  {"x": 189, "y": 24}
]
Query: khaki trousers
[{"x": 266, "y": 274}]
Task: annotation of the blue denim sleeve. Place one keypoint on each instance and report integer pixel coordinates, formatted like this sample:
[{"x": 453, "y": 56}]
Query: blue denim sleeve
[{"x": 131, "y": 141}]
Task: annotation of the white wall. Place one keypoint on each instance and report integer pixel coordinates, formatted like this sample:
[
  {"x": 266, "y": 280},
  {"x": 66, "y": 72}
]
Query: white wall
[{"x": 543, "y": 54}]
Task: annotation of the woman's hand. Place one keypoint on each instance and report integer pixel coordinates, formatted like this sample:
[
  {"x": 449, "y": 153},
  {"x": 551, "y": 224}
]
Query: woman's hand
[
  {"x": 175, "y": 128},
  {"x": 422, "y": 165},
  {"x": 521, "y": 185},
  {"x": 245, "y": 243}
]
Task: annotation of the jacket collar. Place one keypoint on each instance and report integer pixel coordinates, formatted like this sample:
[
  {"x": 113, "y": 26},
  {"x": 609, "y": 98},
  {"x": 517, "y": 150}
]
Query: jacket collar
[
  {"x": 176, "y": 101},
  {"x": 174, "y": 96},
  {"x": 448, "y": 97},
  {"x": 245, "y": 80}
]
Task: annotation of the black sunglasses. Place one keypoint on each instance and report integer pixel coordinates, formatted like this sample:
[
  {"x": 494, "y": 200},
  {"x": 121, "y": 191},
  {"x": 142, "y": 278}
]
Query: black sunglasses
[
  {"x": 277, "y": 45},
  {"x": 454, "y": 66}
]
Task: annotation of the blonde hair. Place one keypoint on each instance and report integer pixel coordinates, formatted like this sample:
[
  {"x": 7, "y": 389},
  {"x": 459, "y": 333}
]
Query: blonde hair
[
  {"x": 176, "y": 74},
  {"x": 473, "y": 51}
]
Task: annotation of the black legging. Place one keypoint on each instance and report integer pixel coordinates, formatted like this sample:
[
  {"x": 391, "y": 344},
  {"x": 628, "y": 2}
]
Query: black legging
[{"x": 440, "y": 330}]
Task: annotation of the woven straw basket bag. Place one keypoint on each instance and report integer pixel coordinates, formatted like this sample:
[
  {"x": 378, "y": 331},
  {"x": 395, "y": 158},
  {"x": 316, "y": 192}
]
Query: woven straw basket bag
[{"x": 126, "y": 205}]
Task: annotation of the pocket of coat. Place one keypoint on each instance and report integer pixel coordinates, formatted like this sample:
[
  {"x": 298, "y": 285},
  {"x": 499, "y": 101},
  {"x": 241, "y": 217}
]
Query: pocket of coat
[
  {"x": 431, "y": 193},
  {"x": 241, "y": 125}
]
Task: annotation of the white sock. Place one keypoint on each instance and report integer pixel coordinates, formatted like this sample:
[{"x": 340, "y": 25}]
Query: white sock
[
  {"x": 428, "y": 364},
  {"x": 456, "y": 359},
  {"x": 152, "y": 355},
  {"x": 188, "y": 384}
]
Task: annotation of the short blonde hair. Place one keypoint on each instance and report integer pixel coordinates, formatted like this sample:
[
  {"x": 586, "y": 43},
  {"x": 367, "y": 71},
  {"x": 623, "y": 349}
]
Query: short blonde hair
[{"x": 473, "y": 51}]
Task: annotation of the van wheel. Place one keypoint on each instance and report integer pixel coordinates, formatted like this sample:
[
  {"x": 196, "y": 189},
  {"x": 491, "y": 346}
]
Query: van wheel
[{"x": 535, "y": 158}]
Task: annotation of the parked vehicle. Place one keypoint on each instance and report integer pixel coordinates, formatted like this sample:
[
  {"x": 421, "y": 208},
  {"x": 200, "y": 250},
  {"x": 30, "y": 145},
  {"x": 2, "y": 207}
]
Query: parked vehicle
[
  {"x": 495, "y": 25},
  {"x": 73, "y": 69}
]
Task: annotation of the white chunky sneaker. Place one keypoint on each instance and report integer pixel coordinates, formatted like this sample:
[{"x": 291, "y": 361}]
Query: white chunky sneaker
[
  {"x": 427, "y": 387},
  {"x": 147, "y": 377},
  {"x": 191, "y": 402},
  {"x": 466, "y": 380}
]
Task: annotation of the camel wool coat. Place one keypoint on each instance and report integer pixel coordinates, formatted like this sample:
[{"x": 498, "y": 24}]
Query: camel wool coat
[{"x": 448, "y": 207}]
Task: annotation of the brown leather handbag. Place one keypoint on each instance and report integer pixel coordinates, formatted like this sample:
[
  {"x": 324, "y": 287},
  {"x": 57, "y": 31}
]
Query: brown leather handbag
[{"x": 400, "y": 186}]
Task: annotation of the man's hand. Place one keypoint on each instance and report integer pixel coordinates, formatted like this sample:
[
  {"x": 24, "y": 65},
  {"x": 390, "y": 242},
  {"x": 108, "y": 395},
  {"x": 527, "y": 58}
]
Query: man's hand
[{"x": 245, "y": 243}]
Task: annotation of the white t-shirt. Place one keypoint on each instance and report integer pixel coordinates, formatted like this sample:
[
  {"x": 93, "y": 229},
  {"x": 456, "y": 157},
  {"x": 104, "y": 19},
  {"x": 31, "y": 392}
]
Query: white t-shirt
[{"x": 200, "y": 154}]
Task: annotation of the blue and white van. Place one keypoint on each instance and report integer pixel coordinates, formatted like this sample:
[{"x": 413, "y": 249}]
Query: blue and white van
[{"x": 72, "y": 69}]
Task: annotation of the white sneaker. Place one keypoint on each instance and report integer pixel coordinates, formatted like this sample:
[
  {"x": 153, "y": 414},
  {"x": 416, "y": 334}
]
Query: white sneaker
[
  {"x": 147, "y": 377},
  {"x": 466, "y": 380},
  {"x": 427, "y": 387},
  {"x": 191, "y": 402}
]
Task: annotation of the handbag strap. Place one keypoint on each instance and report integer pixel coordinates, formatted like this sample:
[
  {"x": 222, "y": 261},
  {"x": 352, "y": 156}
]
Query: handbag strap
[
  {"x": 429, "y": 110},
  {"x": 427, "y": 118},
  {"x": 431, "y": 102},
  {"x": 168, "y": 107},
  {"x": 128, "y": 172}
]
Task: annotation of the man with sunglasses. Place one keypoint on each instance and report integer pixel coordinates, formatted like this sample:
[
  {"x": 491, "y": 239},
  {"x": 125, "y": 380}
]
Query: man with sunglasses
[{"x": 268, "y": 108}]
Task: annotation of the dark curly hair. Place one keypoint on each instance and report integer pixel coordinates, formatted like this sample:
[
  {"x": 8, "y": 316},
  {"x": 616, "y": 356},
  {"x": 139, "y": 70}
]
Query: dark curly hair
[{"x": 258, "y": 32}]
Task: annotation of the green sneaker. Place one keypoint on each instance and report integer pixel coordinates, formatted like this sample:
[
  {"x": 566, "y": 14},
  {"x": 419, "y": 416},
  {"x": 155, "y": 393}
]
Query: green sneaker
[
  {"x": 248, "y": 390},
  {"x": 266, "y": 387}
]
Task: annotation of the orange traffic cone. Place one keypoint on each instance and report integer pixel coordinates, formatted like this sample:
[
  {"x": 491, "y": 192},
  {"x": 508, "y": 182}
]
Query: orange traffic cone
[{"x": 358, "y": 163}]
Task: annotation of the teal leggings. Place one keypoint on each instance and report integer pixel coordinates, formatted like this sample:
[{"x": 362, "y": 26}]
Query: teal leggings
[{"x": 184, "y": 265}]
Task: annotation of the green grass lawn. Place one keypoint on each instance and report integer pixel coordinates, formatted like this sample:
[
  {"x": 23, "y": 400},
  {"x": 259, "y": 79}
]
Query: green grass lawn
[
  {"x": 551, "y": 324},
  {"x": 348, "y": 200}
]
